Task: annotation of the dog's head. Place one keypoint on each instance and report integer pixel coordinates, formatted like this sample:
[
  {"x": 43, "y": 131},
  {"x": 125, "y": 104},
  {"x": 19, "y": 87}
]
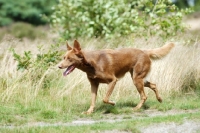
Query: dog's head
[{"x": 72, "y": 58}]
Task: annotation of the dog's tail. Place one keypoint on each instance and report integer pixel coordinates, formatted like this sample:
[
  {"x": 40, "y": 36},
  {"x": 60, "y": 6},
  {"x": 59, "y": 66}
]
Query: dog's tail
[{"x": 158, "y": 53}]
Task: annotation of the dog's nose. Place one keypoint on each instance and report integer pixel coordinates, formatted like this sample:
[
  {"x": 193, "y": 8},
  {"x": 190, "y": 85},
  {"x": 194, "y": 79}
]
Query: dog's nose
[{"x": 60, "y": 67}]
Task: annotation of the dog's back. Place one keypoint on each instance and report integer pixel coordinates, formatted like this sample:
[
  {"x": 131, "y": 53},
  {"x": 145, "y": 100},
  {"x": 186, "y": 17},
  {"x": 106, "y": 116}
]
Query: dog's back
[{"x": 116, "y": 62}]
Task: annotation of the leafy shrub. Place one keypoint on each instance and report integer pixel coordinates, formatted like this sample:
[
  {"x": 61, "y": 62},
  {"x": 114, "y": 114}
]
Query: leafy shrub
[
  {"x": 185, "y": 4},
  {"x": 181, "y": 3},
  {"x": 30, "y": 11},
  {"x": 38, "y": 67},
  {"x": 23, "y": 61},
  {"x": 197, "y": 6},
  {"x": 89, "y": 18},
  {"x": 41, "y": 62}
]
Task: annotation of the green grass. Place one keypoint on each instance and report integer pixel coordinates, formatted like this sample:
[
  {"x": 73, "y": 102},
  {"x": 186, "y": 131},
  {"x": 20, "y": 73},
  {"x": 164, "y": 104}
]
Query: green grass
[
  {"x": 125, "y": 125},
  {"x": 61, "y": 110}
]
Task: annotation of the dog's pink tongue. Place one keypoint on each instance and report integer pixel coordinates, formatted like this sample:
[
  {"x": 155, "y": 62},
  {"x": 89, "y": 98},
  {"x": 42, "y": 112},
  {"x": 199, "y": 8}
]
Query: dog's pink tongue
[{"x": 68, "y": 70}]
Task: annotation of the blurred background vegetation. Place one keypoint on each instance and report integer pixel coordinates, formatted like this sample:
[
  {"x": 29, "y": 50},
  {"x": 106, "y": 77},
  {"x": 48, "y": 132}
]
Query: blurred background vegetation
[
  {"x": 29, "y": 11},
  {"x": 25, "y": 18},
  {"x": 36, "y": 12},
  {"x": 105, "y": 17}
]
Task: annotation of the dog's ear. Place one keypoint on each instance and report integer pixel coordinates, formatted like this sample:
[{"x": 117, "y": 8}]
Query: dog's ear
[
  {"x": 77, "y": 46},
  {"x": 68, "y": 47}
]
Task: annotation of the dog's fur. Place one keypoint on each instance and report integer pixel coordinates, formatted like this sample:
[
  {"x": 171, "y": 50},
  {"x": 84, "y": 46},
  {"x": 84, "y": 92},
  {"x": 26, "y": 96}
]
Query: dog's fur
[{"x": 107, "y": 66}]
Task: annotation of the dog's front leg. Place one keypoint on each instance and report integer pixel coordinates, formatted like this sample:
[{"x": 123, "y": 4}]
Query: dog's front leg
[
  {"x": 111, "y": 86},
  {"x": 94, "y": 89}
]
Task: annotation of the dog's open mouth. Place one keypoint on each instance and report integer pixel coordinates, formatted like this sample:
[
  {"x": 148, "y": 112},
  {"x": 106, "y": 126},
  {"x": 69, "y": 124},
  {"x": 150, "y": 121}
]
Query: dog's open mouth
[{"x": 69, "y": 70}]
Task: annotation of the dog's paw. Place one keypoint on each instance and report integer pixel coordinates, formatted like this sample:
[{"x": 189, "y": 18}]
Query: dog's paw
[
  {"x": 160, "y": 100},
  {"x": 109, "y": 102},
  {"x": 112, "y": 103},
  {"x": 87, "y": 113},
  {"x": 136, "y": 109}
]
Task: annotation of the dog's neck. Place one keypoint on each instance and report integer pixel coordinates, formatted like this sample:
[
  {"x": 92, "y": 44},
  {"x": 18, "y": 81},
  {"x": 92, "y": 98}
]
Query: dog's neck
[
  {"x": 84, "y": 63},
  {"x": 86, "y": 67}
]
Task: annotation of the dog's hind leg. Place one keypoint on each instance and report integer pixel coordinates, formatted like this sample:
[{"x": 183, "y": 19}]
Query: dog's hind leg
[
  {"x": 138, "y": 75},
  {"x": 140, "y": 87},
  {"x": 153, "y": 87},
  {"x": 111, "y": 86}
]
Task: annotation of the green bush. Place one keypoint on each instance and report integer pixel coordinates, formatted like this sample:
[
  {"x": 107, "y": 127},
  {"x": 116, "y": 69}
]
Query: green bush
[
  {"x": 184, "y": 4},
  {"x": 38, "y": 66},
  {"x": 102, "y": 18},
  {"x": 42, "y": 61},
  {"x": 197, "y": 5},
  {"x": 31, "y": 11}
]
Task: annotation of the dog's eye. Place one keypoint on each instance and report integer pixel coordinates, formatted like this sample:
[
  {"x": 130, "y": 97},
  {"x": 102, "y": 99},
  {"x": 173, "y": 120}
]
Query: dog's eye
[
  {"x": 69, "y": 59},
  {"x": 64, "y": 58}
]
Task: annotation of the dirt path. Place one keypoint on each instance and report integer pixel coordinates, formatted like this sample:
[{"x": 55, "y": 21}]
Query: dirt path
[{"x": 188, "y": 126}]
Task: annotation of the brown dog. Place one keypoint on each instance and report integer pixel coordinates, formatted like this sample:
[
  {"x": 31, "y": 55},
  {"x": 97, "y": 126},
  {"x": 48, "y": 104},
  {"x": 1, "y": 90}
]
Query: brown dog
[{"x": 107, "y": 66}]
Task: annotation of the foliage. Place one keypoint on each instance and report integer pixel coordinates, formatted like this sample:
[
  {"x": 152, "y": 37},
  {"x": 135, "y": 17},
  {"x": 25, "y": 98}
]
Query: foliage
[
  {"x": 181, "y": 3},
  {"x": 23, "y": 61},
  {"x": 197, "y": 6},
  {"x": 38, "y": 66},
  {"x": 185, "y": 4},
  {"x": 102, "y": 18},
  {"x": 31, "y": 11},
  {"x": 42, "y": 60}
]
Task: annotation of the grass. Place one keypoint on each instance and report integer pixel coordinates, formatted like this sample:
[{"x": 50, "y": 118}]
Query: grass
[
  {"x": 32, "y": 96},
  {"x": 132, "y": 125},
  {"x": 47, "y": 108}
]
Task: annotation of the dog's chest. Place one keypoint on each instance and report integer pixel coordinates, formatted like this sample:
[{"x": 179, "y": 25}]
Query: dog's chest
[
  {"x": 100, "y": 77},
  {"x": 91, "y": 75}
]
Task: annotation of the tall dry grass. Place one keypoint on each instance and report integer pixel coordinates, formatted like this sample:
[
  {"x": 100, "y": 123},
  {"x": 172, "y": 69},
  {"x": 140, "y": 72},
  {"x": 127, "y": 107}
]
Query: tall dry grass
[
  {"x": 179, "y": 70},
  {"x": 176, "y": 72}
]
